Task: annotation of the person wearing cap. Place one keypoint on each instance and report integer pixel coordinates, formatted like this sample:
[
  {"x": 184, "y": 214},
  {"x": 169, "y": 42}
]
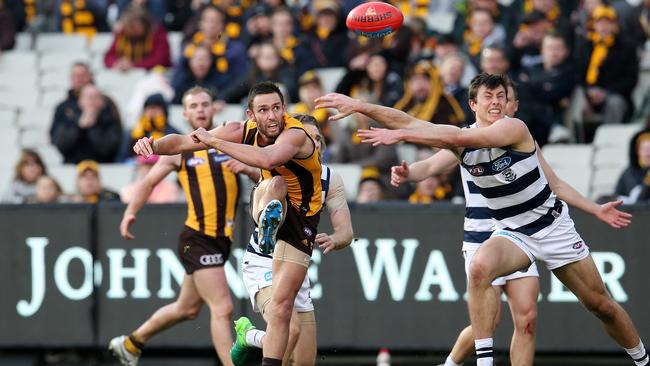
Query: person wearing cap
[
  {"x": 525, "y": 50},
  {"x": 257, "y": 28},
  {"x": 371, "y": 187},
  {"x": 89, "y": 185},
  {"x": 310, "y": 87},
  {"x": 608, "y": 69},
  {"x": 329, "y": 37},
  {"x": 90, "y": 129},
  {"x": 153, "y": 122},
  {"x": 212, "y": 192}
]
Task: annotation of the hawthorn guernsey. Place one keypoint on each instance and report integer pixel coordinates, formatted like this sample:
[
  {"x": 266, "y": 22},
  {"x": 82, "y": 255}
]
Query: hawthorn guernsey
[{"x": 374, "y": 19}]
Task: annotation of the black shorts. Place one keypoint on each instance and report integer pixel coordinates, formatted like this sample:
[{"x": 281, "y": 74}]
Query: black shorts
[
  {"x": 299, "y": 230},
  {"x": 197, "y": 250}
]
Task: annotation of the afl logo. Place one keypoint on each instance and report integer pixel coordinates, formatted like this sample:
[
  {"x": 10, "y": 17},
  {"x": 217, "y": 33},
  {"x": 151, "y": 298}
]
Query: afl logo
[
  {"x": 501, "y": 164},
  {"x": 476, "y": 170},
  {"x": 577, "y": 245},
  {"x": 195, "y": 161},
  {"x": 211, "y": 260}
]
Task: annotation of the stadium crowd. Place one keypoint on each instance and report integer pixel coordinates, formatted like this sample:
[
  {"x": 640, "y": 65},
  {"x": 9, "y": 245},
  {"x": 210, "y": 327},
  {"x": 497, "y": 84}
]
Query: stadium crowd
[{"x": 576, "y": 65}]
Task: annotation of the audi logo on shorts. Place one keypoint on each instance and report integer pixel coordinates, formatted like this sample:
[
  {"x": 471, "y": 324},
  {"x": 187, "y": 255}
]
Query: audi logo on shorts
[{"x": 211, "y": 260}]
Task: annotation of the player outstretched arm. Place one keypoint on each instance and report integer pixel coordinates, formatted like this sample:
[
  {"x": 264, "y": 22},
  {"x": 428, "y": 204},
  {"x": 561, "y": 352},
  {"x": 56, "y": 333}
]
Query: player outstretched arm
[
  {"x": 143, "y": 189},
  {"x": 389, "y": 117},
  {"x": 174, "y": 144},
  {"x": 608, "y": 212},
  {"x": 438, "y": 163},
  {"x": 289, "y": 144},
  {"x": 506, "y": 132},
  {"x": 339, "y": 216}
]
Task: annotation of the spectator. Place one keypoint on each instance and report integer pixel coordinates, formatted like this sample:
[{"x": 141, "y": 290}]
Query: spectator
[
  {"x": 85, "y": 17},
  {"x": 643, "y": 28},
  {"x": 634, "y": 184},
  {"x": 451, "y": 71},
  {"x": 89, "y": 185},
  {"x": 376, "y": 83},
  {"x": 495, "y": 61},
  {"x": 329, "y": 37},
  {"x": 153, "y": 123},
  {"x": 482, "y": 32},
  {"x": 446, "y": 45},
  {"x": 268, "y": 66},
  {"x": 258, "y": 28},
  {"x": 426, "y": 99},
  {"x": 546, "y": 89},
  {"x": 371, "y": 187},
  {"x": 294, "y": 50},
  {"x": 7, "y": 29},
  {"x": 465, "y": 10},
  {"x": 608, "y": 67},
  {"x": 48, "y": 190},
  {"x": 139, "y": 42},
  {"x": 228, "y": 56},
  {"x": 29, "y": 169},
  {"x": 89, "y": 130},
  {"x": 163, "y": 192},
  {"x": 155, "y": 82},
  {"x": 310, "y": 87},
  {"x": 198, "y": 72},
  {"x": 526, "y": 45},
  {"x": 157, "y": 8}
]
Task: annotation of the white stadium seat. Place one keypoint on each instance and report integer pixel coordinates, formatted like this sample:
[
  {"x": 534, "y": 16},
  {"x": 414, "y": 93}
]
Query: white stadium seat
[
  {"x": 116, "y": 176},
  {"x": 330, "y": 77},
  {"x": 37, "y": 117},
  {"x": 60, "y": 41},
  {"x": 568, "y": 155},
  {"x": 19, "y": 98},
  {"x": 100, "y": 43},
  {"x": 604, "y": 181},
  {"x": 615, "y": 135},
  {"x": 611, "y": 157},
  {"x": 351, "y": 174},
  {"x": 18, "y": 60},
  {"x": 61, "y": 61}
]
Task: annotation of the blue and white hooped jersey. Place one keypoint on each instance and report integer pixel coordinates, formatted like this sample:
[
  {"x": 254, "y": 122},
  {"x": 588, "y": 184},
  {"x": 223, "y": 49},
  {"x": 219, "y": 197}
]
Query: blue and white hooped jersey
[
  {"x": 516, "y": 193},
  {"x": 325, "y": 177},
  {"x": 478, "y": 224}
]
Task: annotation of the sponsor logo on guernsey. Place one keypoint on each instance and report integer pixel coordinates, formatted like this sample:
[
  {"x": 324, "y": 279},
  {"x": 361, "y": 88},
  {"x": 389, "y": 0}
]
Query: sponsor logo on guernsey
[
  {"x": 268, "y": 276},
  {"x": 509, "y": 175},
  {"x": 501, "y": 163},
  {"x": 476, "y": 170},
  {"x": 195, "y": 161},
  {"x": 220, "y": 158},
  {"x": 211, "y": 259}
]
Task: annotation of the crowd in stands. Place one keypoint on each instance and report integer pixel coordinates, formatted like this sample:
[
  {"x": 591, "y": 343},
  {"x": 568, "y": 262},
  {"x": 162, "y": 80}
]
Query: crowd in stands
[{"x": 574, "y": 63}]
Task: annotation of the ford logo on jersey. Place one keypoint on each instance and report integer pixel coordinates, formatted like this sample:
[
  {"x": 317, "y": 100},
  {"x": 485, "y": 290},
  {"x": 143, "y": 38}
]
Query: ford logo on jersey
[
  {"x": 501, "y": 164},
  {"x": 195, "y": 161}
]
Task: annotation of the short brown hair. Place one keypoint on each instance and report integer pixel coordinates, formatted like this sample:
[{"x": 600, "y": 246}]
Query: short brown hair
[
  {"x": 26, "y": 155},
  {"x": 194, "y": 91},
  {"x": 490, "y": 81},
  {"x": 264, "y": 87}
]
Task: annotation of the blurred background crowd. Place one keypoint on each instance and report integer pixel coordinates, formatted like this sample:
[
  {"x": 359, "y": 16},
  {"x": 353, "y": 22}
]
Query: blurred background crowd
[{"x": 81, "y": 80}]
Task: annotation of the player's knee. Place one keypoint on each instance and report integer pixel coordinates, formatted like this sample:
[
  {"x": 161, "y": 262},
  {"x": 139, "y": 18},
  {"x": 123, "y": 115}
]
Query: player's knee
[
  {"x": 277, "y": 185},
  {"x": 294, "y": 331},
  {"x": 190, "y": 312},
  {"x": 223, "y": 310},
  {"x": 478, "y": 273},
  {"x": 526, "y": 320},
  {"x": 282, "y": 309},
  {"x": 602, "y": 306}
]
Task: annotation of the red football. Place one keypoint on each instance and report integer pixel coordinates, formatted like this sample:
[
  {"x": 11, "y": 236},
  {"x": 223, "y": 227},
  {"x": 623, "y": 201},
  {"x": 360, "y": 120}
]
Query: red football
[{"x": 374, "y": 19}]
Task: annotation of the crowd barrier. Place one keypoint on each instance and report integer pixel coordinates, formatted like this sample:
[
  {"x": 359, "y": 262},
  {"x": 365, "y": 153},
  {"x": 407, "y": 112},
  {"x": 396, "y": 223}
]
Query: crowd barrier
[{"x": 69, "y": 280}]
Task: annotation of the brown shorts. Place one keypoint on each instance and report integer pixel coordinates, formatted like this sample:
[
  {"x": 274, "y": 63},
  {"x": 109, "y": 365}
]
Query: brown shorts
[
  {"x": 197, "y": 250},
  {"x": 299, "y": 230}
]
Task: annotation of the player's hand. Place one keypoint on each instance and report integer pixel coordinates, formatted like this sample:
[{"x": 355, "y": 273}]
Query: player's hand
[
  {"x": 325, "y": 243},
  {"x": 127, "y": 220},
  {"x": 609, "y": 214},
  {"x": 342, "y": 103},
  {"x": 399, "y": 174},
  {"x": 379, "y": 136},
  {"x": 144, "y": 147},
  {"x": 201, "y": 135}
]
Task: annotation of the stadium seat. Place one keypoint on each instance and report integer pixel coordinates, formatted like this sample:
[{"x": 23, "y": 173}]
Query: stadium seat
[
  {"x": 330, "y": 77},
  {"x": 580, "y": 179},
  {"x": 20, "y": 98},
  {"x": 100, "y": 43},
  {"x": 116, "y": 176},
  {"x": 604, "y": 180},
  {"x": 18, "y": 80},
  {"x": 46, "y": 42},
  {"x": 24, "y": 41},
  {"x": 51, "y": 98},
  {"x": 54, "y": 81},
  {"x": 408, "y": 152},
  {"x": 441, "y": 22},
  {"x": 50, "y": 154},
  {"x": 8, "y": 118},
  {"x": 66, "y": 175},
  {"x": 18, "y": 60},
  {"x": 568, "y": 155},
  {"x": 351, "y": 174},
  {"x": 175, "y": 39},
  {"x": 35, "y": 118},
  {"x": 177, "y": 120},
  {"x": 61, "y": 61},
  {"x": 34, "y": 137},
  {"x": 615, "y": 135},
  {"x": 231, "y": 112},
  {"x": 611, "y": 157}
]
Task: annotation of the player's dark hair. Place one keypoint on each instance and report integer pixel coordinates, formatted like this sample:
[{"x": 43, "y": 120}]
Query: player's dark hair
[
  {"x": 489, "y": 81},
  {"x": 264, "y": 87},
  {"x": 308, "y": 119}
]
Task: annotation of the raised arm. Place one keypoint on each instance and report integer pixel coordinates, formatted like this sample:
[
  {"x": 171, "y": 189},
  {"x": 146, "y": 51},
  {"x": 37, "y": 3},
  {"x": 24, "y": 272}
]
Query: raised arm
[
  {"x": 438, "y": 163},
  {"x": 339, "y": 216},
  {"x": 143, "y": 189},
  {"x": 290, "y": 143},
  {"x": 174, "y": 144},
  {"x": 389, "y": 117},
  {"x": 506, "y": 132},
  {"x": 608, "y": 212}
]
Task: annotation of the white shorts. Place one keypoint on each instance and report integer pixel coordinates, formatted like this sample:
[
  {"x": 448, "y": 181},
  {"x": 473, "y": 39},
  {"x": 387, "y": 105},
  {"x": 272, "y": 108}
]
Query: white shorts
[
  {"x": 561, "y": 246},
  {"x": 500, "y": 281},
  {"x": 257, "y": 275}
]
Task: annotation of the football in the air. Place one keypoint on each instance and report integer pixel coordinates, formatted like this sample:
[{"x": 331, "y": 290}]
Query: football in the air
[{"x": 374, "y": 19}]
